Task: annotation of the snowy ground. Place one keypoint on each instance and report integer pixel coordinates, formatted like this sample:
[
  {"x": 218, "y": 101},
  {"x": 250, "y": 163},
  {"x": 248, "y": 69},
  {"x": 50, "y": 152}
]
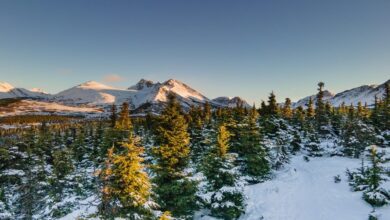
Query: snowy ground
[
  {"x": 306, "y": 191},
  {"x": 301, "y": 191}
]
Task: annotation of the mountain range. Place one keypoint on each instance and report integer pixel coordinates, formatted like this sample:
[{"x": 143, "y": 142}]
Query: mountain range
[
  {"x": 149, "y": 96},
  {"x": 365, "y": 94}
]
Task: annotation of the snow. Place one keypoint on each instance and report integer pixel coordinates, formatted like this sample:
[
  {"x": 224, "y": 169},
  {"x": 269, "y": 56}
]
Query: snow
[
  {"x": 9, "y": 91},
  {"x": 31, "y": 106},
  {"x": 38, "y": 90},
  {"x": 5, "y": 87},
  {"x": 306, "y": 190},
  {"x": 87, "y": 207}
]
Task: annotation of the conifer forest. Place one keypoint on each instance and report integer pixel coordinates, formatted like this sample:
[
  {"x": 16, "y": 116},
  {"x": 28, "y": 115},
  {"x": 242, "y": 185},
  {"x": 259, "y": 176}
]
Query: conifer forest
[{"x": 201, "y": 162}]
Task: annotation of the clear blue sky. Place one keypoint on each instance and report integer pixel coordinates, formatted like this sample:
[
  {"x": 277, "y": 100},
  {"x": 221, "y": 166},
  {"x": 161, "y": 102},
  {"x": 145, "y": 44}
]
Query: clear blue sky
[{"x": 220, "y": 47}]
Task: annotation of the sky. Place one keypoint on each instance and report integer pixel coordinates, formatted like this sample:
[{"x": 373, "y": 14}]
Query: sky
[{"x": 219, "y": 47}]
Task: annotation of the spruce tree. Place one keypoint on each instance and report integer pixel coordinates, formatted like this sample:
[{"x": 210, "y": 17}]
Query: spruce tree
[
  {"x": 263, "y": 108},
  {"x": 356, "y": 135},
  {"x": 175, "y": 192},
  {"x": 320, "y": 111},
  {"x": 286, "y": 110},
  {"x": 207, "y": 113},
  {"x": 272, "y": 107},
  {"x": 113, "y": 116},
  {"x": 124, "y": 122},
  {"x": 299, "y": 116},
  {"x": 254, "y": 154},
  {"x": 225, "y": 194},
  {"x": 374, "y": 194},
  {"x": 310, "y": 111},
  {"x": 126, "y": 190}
]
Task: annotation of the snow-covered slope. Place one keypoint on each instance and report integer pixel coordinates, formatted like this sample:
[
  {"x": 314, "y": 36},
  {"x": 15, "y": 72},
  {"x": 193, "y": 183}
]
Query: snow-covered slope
[
  {"x": 93, "y": 93},
  {"x": 231, "y": 102},
  {"x": 306, "y": 190},
  {"x": 9, "y": 91},
  {"x": 364, "y": 94}
]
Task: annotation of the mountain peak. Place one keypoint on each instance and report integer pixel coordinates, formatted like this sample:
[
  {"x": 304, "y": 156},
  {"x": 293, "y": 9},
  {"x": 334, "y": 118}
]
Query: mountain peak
[
  {"x": 5, "y": 87},
  {"x": 143, "y": 83},
  {"x": 172, "y": 82}
]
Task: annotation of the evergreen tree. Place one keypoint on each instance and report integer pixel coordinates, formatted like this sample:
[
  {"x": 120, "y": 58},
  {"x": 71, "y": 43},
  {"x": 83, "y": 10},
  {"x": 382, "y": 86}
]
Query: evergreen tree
[
  {"x": 124, "y": 121},
  {"x": 127, "y": 187},
  {"x": 207, "y": 113},
  {"x": 175, "y": 192},
  {"x": 299, "y": 116},
  {"x": 255, "y": 165},
  {"x": 263, "y": 108},
  {"x": 356, "y": 134},
  {"x": 310, "y": 111},
  {"x": 272, "y": 108},
  {"x": 369, "y": 179},
  {"x": 225, "y": 197},
  {"x": 374, "y": 194},
  {"x": 113, "y": 116},
  {"x": 320, "y": 111},
  {"x": 286, "y": 110}
]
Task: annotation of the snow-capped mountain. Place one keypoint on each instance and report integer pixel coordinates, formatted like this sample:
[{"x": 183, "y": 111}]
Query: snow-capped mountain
[
  {"x": 9, "y": 91},
  {"x": 231, "y": 102},
  {"x": 364, "y": 94},
  {"x": 143, "y": 94}
]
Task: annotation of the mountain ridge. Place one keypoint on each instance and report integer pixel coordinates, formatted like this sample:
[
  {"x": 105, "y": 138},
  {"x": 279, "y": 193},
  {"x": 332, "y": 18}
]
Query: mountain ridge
[
  {"x": 146, "y": 95},
  {"x": 365, "y": 94}
]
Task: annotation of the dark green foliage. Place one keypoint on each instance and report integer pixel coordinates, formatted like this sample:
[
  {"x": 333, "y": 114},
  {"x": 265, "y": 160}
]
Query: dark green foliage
[
  {"x": 172, "y": 157},
  {"x": 226, "y": 200},
  {"x": 254, "y": 154}
]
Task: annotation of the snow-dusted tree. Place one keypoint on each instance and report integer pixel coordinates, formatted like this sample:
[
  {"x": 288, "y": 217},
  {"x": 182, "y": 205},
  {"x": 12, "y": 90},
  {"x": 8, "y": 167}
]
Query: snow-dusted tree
[
  {"x": 224, "y": 195},
  {"x": 356, "y": 135},
  {"x": 126, "y": 189},
  {"x": 369, "y": 179},
  {"x": 374, "y": 194},
  {"x": 30, "y": 191}
]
